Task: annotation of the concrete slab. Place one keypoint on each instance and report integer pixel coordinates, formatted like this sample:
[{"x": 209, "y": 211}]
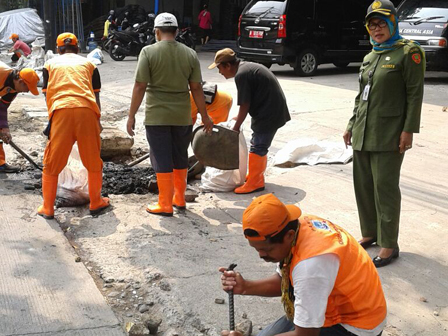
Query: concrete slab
[
  {"x": 43, "y": 290},
  {"x": 35, "y": 112}
]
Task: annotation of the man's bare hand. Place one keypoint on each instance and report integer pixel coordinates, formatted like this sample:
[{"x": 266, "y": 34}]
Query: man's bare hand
[
  {"x": 130, "y": 126},
  {"x": 5, "y": 135},
  {"x": 208, "y": 125},
  {"x": 232, "y": 281},
  {"x": 405, "y": 141}
]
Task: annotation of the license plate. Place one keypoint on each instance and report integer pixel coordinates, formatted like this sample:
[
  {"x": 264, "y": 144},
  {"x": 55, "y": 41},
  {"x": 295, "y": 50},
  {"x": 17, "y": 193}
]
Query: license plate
[{"x": 256, "y": 34}]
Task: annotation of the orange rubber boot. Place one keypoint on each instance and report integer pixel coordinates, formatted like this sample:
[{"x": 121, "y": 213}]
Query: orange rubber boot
[
  {"x": 2, "y": 155},
  {"x": 166, "y": 191},
  {"x": 49, "y": 189},
  {"x": 180, "y": 186},
  {"x": 255, "y": 178},
  {"x": 97, "y": 203}
]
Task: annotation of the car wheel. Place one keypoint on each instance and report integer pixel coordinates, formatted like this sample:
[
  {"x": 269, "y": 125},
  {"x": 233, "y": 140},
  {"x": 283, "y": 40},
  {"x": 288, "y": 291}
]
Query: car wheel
[
  {"x": 267, "y": 65},
  {"x": 114, "y": 53},
  {"x": 306, "y": 63},
  {"x": 341, "y": 64}
]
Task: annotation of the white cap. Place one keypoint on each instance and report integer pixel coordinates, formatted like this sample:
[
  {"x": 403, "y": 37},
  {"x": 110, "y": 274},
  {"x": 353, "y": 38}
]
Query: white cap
[{"x": 165, "y": 20}]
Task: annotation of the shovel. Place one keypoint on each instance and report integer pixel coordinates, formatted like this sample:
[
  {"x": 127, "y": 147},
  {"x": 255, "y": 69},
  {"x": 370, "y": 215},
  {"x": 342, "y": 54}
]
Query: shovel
[{"x": 21, "y": 152}]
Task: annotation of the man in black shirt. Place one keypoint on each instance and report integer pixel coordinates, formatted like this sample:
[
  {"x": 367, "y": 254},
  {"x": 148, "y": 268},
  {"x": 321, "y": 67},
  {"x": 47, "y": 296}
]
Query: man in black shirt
[{"x": 260, "y": 95}]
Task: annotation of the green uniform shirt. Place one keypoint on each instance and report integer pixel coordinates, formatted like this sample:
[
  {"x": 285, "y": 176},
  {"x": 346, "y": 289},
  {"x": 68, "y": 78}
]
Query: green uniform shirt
[
  {"x": 394, "y": 101},
  {"x": 168, "y": 67}
]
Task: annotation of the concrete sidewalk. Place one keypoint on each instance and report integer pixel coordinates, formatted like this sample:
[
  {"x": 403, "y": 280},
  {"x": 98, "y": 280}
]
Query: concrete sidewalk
[{"x": 43, "y": 291}]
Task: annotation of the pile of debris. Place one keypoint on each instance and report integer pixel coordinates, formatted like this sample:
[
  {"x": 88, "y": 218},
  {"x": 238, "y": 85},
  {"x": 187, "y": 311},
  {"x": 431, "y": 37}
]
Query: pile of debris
[{"x": 119, "y": 179}]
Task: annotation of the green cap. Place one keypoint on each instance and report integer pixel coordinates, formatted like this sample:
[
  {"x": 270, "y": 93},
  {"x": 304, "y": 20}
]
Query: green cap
[{"x": 383, "y": 7}]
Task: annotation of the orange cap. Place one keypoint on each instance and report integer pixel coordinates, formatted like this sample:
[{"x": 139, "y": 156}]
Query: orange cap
[
  {"x": 30, "y": 77},
  {"x": 14, "y": 36},
  {"x": 66, "y": 39},
  {"x": 268, "y": 216}
]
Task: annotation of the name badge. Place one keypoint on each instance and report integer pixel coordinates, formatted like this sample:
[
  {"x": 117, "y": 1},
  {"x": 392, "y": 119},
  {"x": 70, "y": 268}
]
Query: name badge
[{"x": 365, "y": 94}]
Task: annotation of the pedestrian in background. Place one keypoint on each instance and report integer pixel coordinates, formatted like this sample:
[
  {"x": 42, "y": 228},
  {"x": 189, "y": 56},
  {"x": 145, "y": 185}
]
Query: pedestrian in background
[
  {"x": 12, "y": 82},
  {"x": 386, "y": 115},
  {"x": 205, "y": 24},
  {"x": 19, "y": 48},
  {"x": 71, "y": 86},
  {"x": 261, "y": 96},
  {"x": 165, "y": 71}
]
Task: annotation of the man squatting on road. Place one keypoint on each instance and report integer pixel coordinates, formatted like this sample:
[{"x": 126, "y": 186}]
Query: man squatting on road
[
  {"x": 261, "y": 96},
  {"x": 328, "y": 284},
  {"x": 165, "y": 70},
  {"x": 71, "y": 86},
  {"x": 11, "y": 83}
]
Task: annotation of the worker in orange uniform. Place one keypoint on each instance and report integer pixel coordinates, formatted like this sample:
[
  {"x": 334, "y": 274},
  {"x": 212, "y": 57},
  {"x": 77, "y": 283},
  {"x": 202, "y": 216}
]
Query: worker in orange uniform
[
  {"x": 72, "y": 85},
  {"x": 327, "y": 282},
  {"x": 11, "y": 83},
  {"x": 218, "y": 109}
]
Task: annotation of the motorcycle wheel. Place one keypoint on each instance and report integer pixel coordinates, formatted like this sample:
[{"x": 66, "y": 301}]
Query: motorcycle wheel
[
  {"x": 114, "y": 53},
  {"x": 190, "y": 42}
]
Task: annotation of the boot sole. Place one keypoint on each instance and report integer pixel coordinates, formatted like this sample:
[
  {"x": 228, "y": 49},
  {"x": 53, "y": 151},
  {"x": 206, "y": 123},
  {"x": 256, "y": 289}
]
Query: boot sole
[
  {"x": 180, "y": 207},
  {"x": 164, "y": 214},
  {"x": 97, "y": 211},
  {"x": 45, "y": 216},
  {"x": 249, "y": 192}
]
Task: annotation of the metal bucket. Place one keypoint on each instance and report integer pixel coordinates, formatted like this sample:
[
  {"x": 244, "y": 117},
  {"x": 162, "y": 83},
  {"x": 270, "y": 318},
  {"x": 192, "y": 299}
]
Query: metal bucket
[{"x": 219, "y": 150}]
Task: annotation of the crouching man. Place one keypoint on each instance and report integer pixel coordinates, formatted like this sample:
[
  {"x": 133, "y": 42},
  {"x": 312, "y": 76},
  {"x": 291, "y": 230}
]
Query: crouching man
[{"x": 327, "y": 281}]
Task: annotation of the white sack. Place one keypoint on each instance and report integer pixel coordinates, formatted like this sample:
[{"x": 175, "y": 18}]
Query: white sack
[
  {"x": 217, "y": 180},
  {"x": 73, "y": 187},
  {"x": 96, "y": 56},
  {"x": 25, "y": 22},
  {"x": 312, "y": 152}
]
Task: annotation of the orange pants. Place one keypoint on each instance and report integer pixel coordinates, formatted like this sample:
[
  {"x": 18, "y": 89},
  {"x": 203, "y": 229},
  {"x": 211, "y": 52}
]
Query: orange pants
[
  {"x": 68, "y": 126},
  {"x": 2, "y": 155},
  {"x": 218, "y": 110}
]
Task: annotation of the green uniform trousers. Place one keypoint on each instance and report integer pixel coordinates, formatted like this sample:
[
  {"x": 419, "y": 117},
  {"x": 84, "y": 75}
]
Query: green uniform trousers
[{"x": 376, "y": 178}]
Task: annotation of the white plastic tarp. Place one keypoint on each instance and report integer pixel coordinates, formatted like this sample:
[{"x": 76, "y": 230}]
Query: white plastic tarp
[
  {"x": 25, "y": 22},
  {"x": 311, "y": 152}
]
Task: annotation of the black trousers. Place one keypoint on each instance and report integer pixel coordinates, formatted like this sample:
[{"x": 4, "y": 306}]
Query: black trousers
[{"x": 168, "y": 147}]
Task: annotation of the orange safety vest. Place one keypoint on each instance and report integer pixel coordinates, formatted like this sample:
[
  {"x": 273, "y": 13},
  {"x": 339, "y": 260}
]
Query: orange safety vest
[
  {"x": 357, "y": 297},
  {"x": 5, "y": 71}
]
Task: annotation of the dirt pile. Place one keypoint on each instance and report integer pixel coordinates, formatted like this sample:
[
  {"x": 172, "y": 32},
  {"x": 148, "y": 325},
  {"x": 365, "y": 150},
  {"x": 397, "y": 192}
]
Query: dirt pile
[{"x": 119, "y": 179}]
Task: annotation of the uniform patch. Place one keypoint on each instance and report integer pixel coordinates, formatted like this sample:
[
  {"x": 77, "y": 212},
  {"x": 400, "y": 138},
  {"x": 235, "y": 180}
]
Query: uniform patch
[
  {"x": 320, "y": 225},
  {"x": 417, "y": 58}
]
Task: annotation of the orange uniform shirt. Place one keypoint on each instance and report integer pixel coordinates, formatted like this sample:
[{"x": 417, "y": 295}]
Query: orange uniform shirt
[
  {"x": 70, "y": 81},
  {"x": 357, "y": 297}
]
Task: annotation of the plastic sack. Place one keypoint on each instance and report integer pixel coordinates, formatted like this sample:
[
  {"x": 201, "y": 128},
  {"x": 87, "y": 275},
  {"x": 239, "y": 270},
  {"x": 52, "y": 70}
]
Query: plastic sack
[
  {"x": 217, "y": 180},
  {"x": 96, "y": 56},
  {"x": 312, "y": 152},
  {"x": 73, "y": 187}
]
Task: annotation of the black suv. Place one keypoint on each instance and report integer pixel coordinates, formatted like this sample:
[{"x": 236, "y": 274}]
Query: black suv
[
  {"x": 304, "y": 33},
  {"x": 425, "y": 21}
]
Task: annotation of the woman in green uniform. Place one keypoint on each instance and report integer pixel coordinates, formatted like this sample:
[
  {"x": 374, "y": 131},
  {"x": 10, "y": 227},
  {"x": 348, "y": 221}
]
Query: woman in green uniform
[{"x": 386, "y": 114}]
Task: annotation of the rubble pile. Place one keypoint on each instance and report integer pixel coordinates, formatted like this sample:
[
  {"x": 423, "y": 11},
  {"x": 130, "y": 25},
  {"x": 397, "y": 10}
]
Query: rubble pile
[{"x": 119, "y": 179}]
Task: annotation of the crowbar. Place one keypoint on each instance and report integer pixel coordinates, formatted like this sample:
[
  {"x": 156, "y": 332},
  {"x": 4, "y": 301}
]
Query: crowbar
[
  {"x": 231, "y": 304},
  {"x": 30, "y": 160}
]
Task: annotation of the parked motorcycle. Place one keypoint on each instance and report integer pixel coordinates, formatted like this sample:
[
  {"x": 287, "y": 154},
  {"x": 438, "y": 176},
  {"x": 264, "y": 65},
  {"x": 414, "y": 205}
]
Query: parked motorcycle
[
  {"x": 129, "y": 42},
  {"x": 186, "y": 37}
]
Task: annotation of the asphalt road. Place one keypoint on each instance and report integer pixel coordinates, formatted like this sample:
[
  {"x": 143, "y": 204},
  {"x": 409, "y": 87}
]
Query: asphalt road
[{"x": 436, "y": 83}]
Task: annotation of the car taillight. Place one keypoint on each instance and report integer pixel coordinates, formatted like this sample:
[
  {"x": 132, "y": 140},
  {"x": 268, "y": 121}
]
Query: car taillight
[
  {"x": 239, "y": 26},
  {"x": 282, "y": 26}
]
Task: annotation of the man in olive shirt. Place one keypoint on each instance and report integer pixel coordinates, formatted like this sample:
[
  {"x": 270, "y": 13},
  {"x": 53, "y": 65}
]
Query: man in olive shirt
[
  {"x": 165, "y": 70},
  {"x": 261, "y": 96}
]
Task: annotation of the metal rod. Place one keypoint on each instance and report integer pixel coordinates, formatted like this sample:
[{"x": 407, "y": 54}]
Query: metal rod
[
  {"x": 231, "y": 304},
  {"x": 140, "y": 159},
  {"x": 30, "y": 160}
]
